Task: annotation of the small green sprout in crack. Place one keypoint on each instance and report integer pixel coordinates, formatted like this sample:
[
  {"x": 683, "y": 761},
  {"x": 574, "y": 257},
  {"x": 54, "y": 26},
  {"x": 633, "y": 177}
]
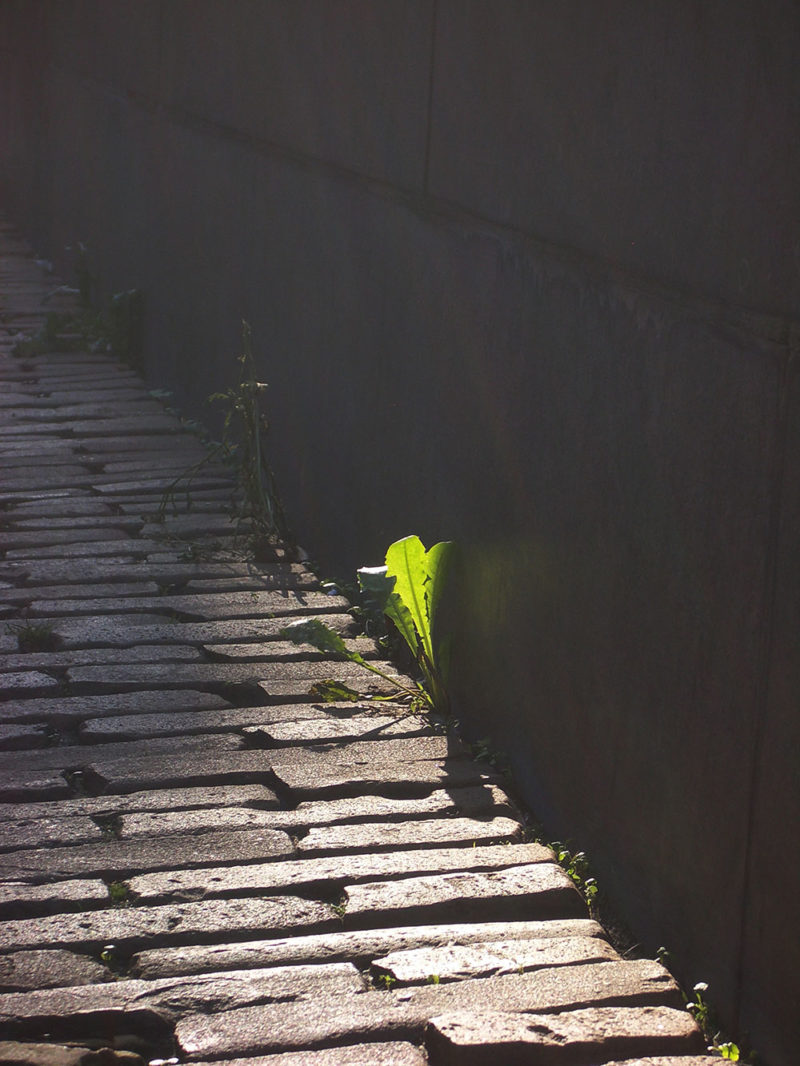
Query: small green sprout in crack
[
  {"x": 433, "y": 979},
  {"x": 385, "y": 981},
  {"x": 32, "y": 637},
  {"x": 119, "y": 894},
  {"x": 340, "y": 908}
]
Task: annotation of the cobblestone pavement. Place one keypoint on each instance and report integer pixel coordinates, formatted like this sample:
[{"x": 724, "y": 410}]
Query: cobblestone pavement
[{"x": 200, "y": 863}]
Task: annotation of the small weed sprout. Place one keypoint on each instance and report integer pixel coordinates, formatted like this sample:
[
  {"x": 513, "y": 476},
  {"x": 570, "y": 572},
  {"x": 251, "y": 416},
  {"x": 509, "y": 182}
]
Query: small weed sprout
[
  {"x": 33, "y": 637},
  {"x": 243, "y": 446},
  {"x": 385, "y": 981}
]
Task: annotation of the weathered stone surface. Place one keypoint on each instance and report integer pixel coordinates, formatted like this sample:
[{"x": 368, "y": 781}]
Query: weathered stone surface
[
  {"x": 221, "y": 819},
  {"x": 170, "y": 799},
  {"x": 75, "y": 708},
  {"x": 26, "y": 681},
  {"x": 360, "y": 945},
  {"x": 171, "y": 924},
  {"x": 540, "y": 890},
  {"x": 315, "y": 769},
  {"x": 68, "y": 599},
  {"x": 395, "y": 1053},
  {"x": 454, "y": 962},
  {"x": 13, "y": 1053},
  {"x": 336, "y": 870},
  {"x": 17, "y": 897},
  {"x": 404, "y": 1013},
  {"x": 27, "y": 970},
  {"x": 19, "y": 737},
  {"x": 161, "y": 747},
  {"x": 429, "y": 832},
  {"x": 61, "y": 537},
  {"x": 331, "y": 812},
  {"x": 580, "y": 1038},
  {"x": 25, "y": 786},
  {"x": 361, "y": 727},
  {"x": 340, "y": 774},
  {"x": 201, "y": 607},
  {"x": 35, "y": 832},
  {"x": 179, "y": 723},
  {"x": 174, "y": 998},
  {"x": 286, "y": 649},
  {"x": 117, "y": 858},
  {"x": 292, "y": 679},
  {"x": 102, "y": 657},
  {"x": 77, "y": 570},
  {"x": 128, "y": 629}
]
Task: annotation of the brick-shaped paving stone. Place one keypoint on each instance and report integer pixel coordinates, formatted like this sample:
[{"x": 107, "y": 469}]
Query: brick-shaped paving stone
[
  {"x": 578, "y": 1038},
  {"x": 334, "y": 871},
  {"x": 76, "y": 708},
  {"x": 532, "y": 891},
  {"x": 361, "y": 946},
  {"x": 24, "y": 971},
  {"x": 163, "y": 800},
  {"x": 169, "y": 924},
  {"x": 170, "y": 999},
  {"x": 454, "y": 962},
  {"x": 404, "y": 1013},
  {"x": 118, "y": 858},
  {"x": 18, "y": 897},
  {"x": 395, "y": 1053},
  {"x": 382, "y": 836}
]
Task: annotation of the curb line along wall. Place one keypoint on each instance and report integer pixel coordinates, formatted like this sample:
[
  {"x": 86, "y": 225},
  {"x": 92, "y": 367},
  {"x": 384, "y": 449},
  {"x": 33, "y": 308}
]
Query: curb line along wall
[{"x": 521, "y": 275}]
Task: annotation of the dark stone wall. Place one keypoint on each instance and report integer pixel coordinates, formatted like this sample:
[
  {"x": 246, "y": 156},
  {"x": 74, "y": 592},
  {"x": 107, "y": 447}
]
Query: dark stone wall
[{"x": 524, "y": 275}]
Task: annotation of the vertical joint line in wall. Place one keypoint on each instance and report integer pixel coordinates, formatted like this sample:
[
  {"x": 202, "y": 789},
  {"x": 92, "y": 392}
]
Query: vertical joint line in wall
[
  {"x": 431, "y": 70},
  {"x": 788, "y": 367}
]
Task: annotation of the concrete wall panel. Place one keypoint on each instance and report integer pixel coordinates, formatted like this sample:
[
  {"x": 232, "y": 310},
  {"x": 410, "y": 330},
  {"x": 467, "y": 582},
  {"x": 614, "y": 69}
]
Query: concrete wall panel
[
  {"x": 344, "y": 82},
  {"x": 658, "y": 136}
]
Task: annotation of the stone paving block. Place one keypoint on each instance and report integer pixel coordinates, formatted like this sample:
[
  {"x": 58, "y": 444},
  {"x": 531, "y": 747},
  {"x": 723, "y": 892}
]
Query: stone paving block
[
  {"x": 330, "y": 812},
  {"x": 64, "y": 709},
  {"x": 285, "y": 650},
  {"x": 220, "y": 818},
  {"x": 27, "y": 786},
  {"x": 32, "y": 681},
  {"x": 136, "y": 927},
  {"x": 321, "y": 730},
  {"x": 395, "y": 1053},
  {"x": 64, "y": 599},
  {"x": 67, "y": 508},
  {"x": 20, "y": 737},
  {"x": 121, "y": 858},
  {"x": 184, "y": 723},
  {"x": 444, "y": 832},
  {"x": 35, "y": 832},
  {"x": 580, "y": 1038},
  {"x": 39, "y": 539},
  {"x": 18, "y": 897},
  {"x": 209, "y": 607},
  {"x": 133, "y": 774},
  {"x": 293, "y": 679},
  {"x": 171, "y": 999},
  {"x": 403, "y": 1014},
  {"x": 361, "y": 946},
  {"x": 57, "y": 660},
  {"x": 157, "y": 800},
  {"x": 70, "y": 756},
  {"x": 338, "y": 774},
  {"x": 126, "y": 629},
  {"x": 54, "y": 571},
  {"x": 334, "y": 871},
  {"x": 454, "y": 962},
  {"x": 24, "y": 971},
  {"x": 541, "y": 890},
  {"x": 15, "y": 1053}
]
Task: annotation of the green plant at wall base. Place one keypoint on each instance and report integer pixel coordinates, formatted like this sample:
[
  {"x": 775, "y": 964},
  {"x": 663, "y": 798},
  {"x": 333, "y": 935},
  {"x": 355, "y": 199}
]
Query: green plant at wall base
[
  {"x": 243, "y": 446},
  {"x": 407, "y": 590}
]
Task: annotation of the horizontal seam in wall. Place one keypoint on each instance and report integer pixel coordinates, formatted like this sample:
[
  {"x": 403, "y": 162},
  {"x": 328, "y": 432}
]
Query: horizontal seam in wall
[{"x": 748, "y": 322}]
